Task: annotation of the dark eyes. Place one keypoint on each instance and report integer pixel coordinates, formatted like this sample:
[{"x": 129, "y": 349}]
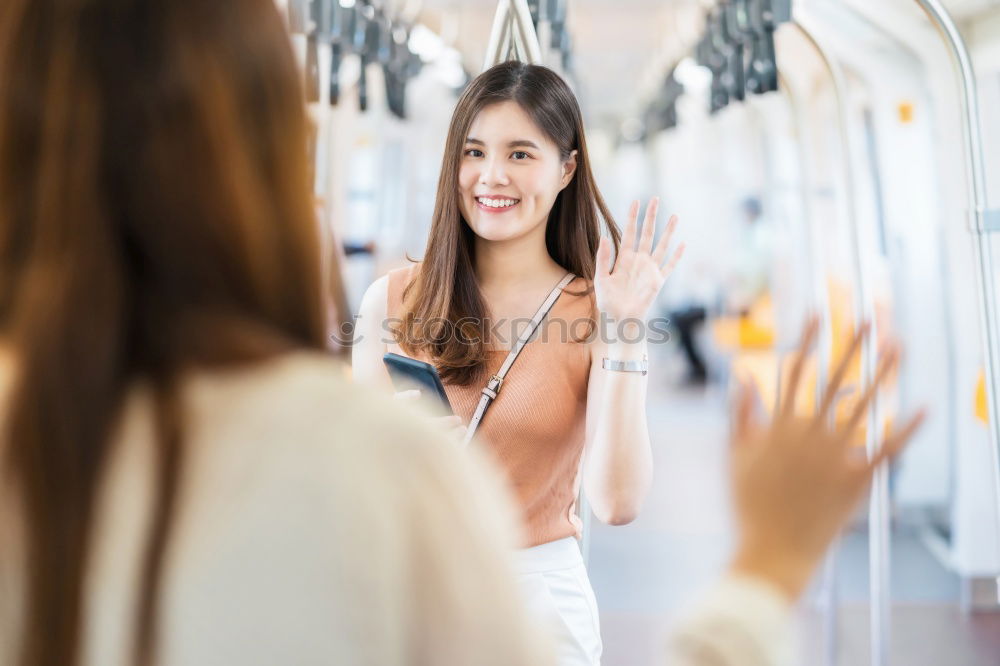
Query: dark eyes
[{"x": 518, "y": 155}]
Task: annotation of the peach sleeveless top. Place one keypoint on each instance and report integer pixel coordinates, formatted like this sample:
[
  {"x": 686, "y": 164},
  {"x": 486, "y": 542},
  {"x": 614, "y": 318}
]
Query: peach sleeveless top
[{"x": 535, "y": 429}]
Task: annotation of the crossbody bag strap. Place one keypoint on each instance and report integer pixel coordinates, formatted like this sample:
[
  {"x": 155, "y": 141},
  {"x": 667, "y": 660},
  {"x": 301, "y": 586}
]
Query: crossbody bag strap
[{"x": 492, "y": 388}]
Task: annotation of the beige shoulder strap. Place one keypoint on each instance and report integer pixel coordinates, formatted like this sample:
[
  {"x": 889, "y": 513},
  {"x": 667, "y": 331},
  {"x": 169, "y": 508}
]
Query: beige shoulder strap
[{"x": 496, "y": 381}]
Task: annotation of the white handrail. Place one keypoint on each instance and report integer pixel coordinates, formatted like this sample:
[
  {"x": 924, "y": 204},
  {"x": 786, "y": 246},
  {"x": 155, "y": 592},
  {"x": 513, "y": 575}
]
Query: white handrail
[
  {"x": 498, "y": 34},
  {"x": 879, "y": 542},
  {"x": 513, "y": 33},
  {"x": 975, "y": 174}
]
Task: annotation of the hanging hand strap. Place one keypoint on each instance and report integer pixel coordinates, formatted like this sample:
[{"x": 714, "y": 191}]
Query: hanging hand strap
[{"x": 496, "y": 381}]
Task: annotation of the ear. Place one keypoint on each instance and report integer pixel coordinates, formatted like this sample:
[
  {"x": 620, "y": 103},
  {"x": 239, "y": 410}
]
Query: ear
[{"x": 568, "y": 170}]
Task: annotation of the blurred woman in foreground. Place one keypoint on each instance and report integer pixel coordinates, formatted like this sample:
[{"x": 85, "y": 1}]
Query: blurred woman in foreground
[{"x": 186, "y": 478}]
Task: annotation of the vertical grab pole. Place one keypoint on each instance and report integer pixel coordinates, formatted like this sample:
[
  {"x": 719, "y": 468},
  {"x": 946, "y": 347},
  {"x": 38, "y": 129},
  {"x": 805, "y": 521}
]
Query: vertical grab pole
[
  {"x": 864, "y": 311},
  {"x": 975, "y": 173},
  {"x": 820, "y": 304}
]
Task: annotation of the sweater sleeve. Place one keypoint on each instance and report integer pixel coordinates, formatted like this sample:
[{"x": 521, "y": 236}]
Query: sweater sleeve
[
  {"x": 352, "y": 532},
  {"x": 741, "y": 621},
  {"x": 461, "y": 590}
]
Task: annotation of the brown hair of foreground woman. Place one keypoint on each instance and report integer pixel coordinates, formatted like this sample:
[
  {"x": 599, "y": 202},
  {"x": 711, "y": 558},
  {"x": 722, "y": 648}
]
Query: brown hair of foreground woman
[{"x": 155, "y": 216}]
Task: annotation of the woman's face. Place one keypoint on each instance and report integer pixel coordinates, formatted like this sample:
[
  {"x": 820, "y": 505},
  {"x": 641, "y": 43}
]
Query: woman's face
[{"x": 510, "y": 174}]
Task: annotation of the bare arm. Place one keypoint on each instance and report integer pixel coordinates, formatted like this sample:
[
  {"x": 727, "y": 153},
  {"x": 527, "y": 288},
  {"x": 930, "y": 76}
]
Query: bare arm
[
  {"x": 618, "y": 465},
  {"x": 370, "y": 335}
]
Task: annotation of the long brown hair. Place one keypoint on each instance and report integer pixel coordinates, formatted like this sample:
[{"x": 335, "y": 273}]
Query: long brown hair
[
  {"x": 155, "y": 216},
  {"x": 444, "y": 291}
]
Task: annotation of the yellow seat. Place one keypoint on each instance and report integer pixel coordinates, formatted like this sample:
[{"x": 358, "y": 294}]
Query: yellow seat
[
  {"x": 761, "y": 367},
  {"x": 981, "y": 410},
  {"x": 753, "y": 331}
]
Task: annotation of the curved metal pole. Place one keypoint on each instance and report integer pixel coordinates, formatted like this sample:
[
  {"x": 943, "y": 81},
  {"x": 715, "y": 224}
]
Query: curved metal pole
[
  {"x": 979, "y": 223},
  {"x": 498, "y": 34},
  {"x": 951, "y": 341},
  {"x": 529, "y": 38},
  {"x": 951, "y": 408},
  {"x": 818, "y": 279},
  {"x": 864, "y": 311},
  {"x": 512, "y": 33},
  {"x": 821, "y": 308}
]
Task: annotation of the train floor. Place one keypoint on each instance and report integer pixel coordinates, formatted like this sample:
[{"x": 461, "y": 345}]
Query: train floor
[{"x": 645, "y": 573}]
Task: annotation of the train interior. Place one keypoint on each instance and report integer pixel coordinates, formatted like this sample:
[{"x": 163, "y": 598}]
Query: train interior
[{"x": 833, "y": 157}]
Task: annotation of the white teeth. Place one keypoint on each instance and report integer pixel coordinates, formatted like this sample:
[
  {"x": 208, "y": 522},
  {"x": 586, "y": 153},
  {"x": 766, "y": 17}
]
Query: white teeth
[{"x": 496, "y": 203}]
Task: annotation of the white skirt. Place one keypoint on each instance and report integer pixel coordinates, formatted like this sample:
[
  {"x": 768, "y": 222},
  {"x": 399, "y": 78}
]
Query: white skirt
[{"x": 557, "y": 590}]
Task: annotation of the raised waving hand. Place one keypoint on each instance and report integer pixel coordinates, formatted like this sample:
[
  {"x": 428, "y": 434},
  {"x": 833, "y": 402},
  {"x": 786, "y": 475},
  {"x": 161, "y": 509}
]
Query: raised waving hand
[{"x": 628, "y": 289}]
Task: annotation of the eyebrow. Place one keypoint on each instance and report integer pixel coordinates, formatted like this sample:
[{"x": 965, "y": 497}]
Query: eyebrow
[{"x": 516, "y": 143}]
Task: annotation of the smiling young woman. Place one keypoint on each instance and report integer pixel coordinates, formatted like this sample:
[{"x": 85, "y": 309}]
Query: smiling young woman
[{"x": 518, "y": 213}]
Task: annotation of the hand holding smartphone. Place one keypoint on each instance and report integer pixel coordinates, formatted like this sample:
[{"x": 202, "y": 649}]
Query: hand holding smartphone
[{"x": 408, "y": 374}]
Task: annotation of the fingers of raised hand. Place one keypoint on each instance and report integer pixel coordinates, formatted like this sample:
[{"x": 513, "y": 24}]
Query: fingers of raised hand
[
  {"x": 830, "y": 393},
  {"x": 809, "y": 334},
  {"x": 660, "y": 253},
  {"x": 626, "y": 252},
  {"x": 897, "y": 441},
  {"x": 669, "y": 268},
  {"x": 649, "y": 226},
  {"x": 742, "y": 410},
  {"x": 603, "y": 267},
  {"x": 629, "y": 237},
  {"x": 888, "y": 363}
]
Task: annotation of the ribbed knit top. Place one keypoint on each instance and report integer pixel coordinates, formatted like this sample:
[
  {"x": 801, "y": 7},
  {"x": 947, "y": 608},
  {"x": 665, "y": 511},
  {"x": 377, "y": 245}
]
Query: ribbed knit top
[{"x": 535, "y": 429}]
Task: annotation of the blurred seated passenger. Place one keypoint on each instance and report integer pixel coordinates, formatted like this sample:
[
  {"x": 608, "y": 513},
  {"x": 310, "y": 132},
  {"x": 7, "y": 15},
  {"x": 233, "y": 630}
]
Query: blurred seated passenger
[
  {"x": 687, "y": 321},
  {"x": 750, "y": 276},
  {"x": 351, "y": 249},
  {"x": 187, "y": 478},
  {"x": 745, "y": 295}
]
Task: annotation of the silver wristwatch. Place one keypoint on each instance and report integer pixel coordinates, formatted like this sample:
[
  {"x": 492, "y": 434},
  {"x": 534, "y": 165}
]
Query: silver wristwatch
[{"x": 626, "y": 366}]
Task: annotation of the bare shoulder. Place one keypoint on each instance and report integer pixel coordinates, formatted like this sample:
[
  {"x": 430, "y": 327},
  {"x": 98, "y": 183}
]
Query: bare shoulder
[
  {"x": 375, "y": 300},
  {"x": 371, "y": 337},
  {"x": 387, "y": 289}
]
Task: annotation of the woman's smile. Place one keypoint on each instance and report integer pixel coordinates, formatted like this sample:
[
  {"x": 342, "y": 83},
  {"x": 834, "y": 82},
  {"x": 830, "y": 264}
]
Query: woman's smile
[{"x": 496, "y": 204}]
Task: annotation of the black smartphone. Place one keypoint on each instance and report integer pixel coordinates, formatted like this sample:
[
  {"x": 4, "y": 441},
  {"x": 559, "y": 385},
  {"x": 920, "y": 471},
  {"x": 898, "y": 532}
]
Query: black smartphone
[{"x": 408, "y": 373}]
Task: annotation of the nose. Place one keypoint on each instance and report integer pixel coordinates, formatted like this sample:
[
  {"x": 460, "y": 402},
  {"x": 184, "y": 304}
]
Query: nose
[{"x": 493, "y": 173}]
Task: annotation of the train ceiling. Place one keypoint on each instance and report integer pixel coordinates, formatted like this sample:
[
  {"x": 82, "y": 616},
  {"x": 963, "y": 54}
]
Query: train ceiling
[{"x": 615, "y": 40}]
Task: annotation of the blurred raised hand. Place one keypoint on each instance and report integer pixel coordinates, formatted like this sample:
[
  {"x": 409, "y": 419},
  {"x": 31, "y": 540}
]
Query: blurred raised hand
[{"x": 796, "y": 480}]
